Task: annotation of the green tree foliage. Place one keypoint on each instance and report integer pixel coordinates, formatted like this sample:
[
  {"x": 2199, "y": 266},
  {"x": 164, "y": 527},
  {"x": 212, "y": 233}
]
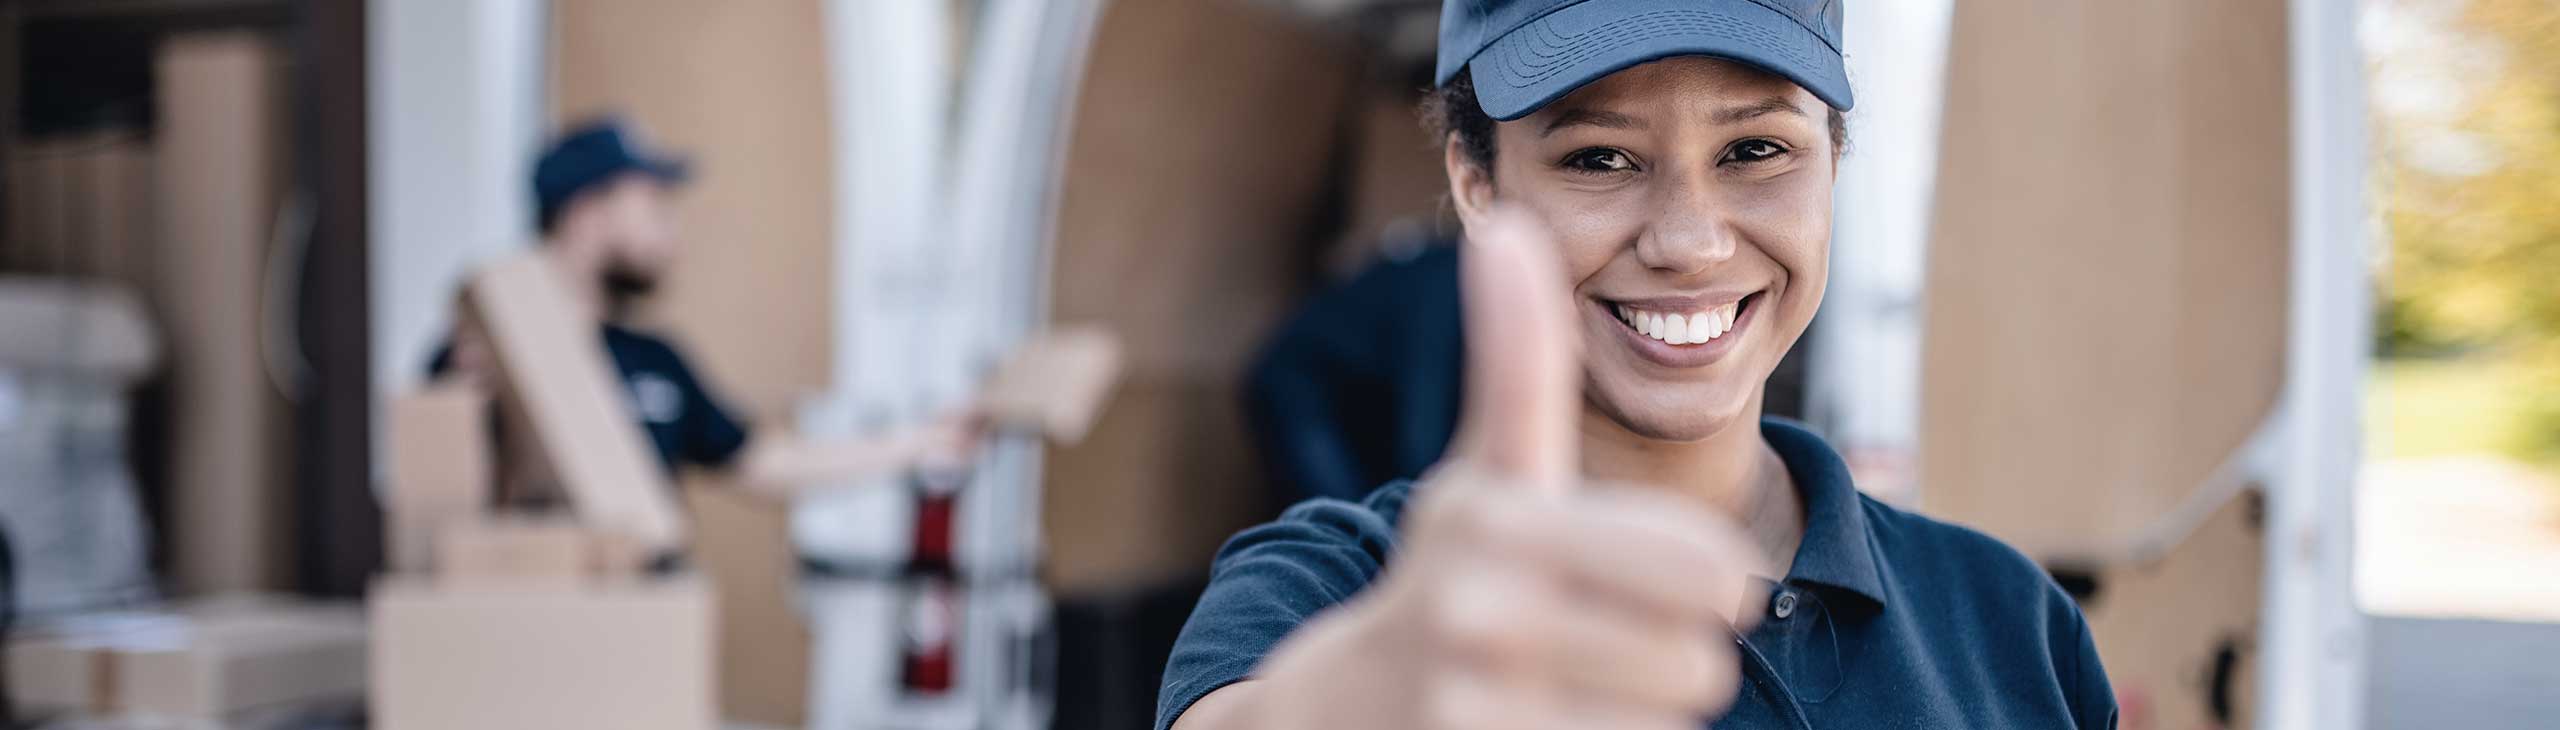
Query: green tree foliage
[{"x": 2467, "y": 99}]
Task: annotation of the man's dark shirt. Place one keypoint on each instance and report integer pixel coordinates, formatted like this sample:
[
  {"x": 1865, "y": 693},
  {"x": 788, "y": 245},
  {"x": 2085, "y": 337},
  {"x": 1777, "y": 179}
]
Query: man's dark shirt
[
  {"x": 1886, "y": 619},
  {"x": 1361, "y": 386},
  {"x": 685, "y": 423}
]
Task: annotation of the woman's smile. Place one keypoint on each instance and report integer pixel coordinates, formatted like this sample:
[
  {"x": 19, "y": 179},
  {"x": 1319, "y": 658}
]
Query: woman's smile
[{"x": 1689, "y": 331}]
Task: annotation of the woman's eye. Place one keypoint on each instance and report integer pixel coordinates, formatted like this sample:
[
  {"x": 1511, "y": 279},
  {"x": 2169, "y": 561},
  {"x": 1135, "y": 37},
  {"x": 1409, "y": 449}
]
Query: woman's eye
[
  {"x": 1753, "y": 150},
  {"x": 1599, "y": 159}
]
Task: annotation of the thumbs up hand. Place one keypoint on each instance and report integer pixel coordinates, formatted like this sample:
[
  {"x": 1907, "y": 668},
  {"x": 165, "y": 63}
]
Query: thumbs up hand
[{"x": 1522, "y": 597}]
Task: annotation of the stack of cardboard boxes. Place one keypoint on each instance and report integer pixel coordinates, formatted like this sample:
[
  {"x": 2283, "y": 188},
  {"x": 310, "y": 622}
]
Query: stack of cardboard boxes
[{"x": 528, "y": 620}]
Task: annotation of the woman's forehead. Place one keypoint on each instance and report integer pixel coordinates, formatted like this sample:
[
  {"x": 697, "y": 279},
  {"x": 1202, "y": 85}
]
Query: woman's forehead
[{"x": 1709, "y": 86}]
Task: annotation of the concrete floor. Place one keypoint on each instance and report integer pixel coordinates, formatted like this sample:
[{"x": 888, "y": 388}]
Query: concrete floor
[
  {"x": 2462, "y": 673},
  {"x": 2458, "y": 561}
]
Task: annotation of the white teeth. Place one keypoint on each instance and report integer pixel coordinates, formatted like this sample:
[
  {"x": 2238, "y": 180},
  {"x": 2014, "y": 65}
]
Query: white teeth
[{"x": 1681, "y": 329}]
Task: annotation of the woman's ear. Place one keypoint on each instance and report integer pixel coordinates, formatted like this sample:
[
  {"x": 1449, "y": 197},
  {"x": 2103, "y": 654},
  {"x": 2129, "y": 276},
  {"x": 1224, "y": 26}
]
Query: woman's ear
[{"x": 1470, "y": 184}]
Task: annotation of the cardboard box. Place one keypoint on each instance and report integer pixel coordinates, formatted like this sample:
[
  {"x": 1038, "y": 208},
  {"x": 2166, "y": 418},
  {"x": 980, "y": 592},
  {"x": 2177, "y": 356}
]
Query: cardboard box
[
  {"x": 53, "y": 673},
  {"x": 742, "y": 543},
  {"x": 205, "y": 662},
  {"x": 1163, "y": 481},
  {"x": 2179, "y": 634},
  {"x": 1056, "y": 384},
  {"x": 231, "y": 664},
  {"x": 516, "y": 548},
  {"x": 627, "y": 655},
  {"x": 2107, "y": 282},
  {"x": 1191, "y": 248},
  {"x": 440, "y": 468},
  {"x": 80, "y": 207},
  {"x": 556, "y": 377}
]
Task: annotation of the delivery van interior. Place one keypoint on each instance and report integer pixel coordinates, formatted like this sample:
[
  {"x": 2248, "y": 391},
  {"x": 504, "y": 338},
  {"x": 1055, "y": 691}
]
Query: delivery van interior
[{"x": 960, "y": 335}]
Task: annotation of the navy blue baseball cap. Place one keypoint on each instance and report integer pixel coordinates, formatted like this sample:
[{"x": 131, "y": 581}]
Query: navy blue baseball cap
[
  {"x": 592, "y": 153},
  {"x": 1523, "y": 54}
]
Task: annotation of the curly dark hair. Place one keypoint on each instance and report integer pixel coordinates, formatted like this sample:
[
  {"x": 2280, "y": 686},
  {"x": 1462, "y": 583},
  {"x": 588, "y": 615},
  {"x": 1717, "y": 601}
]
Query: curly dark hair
[{"x": 1452, "y": 109}]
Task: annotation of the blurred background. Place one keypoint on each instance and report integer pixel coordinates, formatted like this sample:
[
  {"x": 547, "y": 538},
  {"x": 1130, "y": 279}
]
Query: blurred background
[{"x": 2230, "y": 313}]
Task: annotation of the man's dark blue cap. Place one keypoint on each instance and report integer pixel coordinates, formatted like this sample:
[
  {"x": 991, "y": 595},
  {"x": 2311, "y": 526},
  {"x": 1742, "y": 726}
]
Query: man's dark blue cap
[
  {"x": 592, "y": 153},
  {"x": 1523, "y": 54}
]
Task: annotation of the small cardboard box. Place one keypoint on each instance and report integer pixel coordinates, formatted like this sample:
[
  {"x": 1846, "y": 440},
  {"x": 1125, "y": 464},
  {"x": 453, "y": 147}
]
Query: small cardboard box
[
  {"x": 556, "y": 375},
  {"x": 205, "y": 662},
  {"x": 514, "y": 548},
  {"x": 440, "y": 468},
  {"x": 236, "y": 663},
  {"x": 628, "y": 655},
  {"x": 1056, "y": 384},
  {"x": 56, "y": 673}
]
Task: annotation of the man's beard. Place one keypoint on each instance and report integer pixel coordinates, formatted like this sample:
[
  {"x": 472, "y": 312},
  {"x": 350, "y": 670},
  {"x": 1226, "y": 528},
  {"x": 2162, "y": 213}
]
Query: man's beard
[{"x": 625, "y": 285}]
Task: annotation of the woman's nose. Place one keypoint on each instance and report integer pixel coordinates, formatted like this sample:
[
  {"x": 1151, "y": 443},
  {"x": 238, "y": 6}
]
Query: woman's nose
[{"x": 1691, "y": 234}]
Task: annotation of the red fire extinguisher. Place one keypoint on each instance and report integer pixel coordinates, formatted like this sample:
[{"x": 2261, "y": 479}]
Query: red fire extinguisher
[{"x": 932, "y": 616}]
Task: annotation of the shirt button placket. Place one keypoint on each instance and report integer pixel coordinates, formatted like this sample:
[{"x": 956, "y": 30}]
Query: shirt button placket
[{"x": 1784, "y": 605}]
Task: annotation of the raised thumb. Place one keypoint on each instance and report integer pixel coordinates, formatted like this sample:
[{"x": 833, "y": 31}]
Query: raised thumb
[{"x": 1524, "y": 376}]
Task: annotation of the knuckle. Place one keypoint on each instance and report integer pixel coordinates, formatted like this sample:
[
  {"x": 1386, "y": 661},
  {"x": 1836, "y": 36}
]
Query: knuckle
[
  {"x": 1442, "y": 514},
  {"x": 1450, "y": 702},
  {"x": 1474, "y": 627}
]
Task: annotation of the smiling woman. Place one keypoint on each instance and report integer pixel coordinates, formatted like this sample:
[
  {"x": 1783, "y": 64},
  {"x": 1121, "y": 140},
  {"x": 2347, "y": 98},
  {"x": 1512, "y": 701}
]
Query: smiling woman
[{"x": 1646, "y": 187}]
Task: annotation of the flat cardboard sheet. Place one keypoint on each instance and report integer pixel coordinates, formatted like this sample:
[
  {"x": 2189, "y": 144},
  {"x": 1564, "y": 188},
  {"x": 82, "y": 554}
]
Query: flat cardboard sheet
[
  {"x": 216, "y": 179},
  {"x": 555, "y": 373},
  {"x": 1191, "y": 248},
  {"x": 1056, "y": 384},
  {"x": 2107, "y": 264}
]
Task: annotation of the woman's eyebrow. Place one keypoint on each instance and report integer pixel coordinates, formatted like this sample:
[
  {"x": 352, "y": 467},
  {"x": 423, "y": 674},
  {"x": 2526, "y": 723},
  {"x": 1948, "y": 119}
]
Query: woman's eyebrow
[
  {"x": 1722, "y": 117},
  {"x": 1771, "y": 105},
  {"x": 1592, "y": 117}
]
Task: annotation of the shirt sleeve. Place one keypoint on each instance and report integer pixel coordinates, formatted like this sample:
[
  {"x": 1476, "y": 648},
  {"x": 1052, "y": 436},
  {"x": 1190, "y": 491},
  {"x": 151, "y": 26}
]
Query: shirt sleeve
[
  {"x": 1270, "y": 579},
  {"x": 2093, "y": 699},
  {"x": 709, "y": 436}
]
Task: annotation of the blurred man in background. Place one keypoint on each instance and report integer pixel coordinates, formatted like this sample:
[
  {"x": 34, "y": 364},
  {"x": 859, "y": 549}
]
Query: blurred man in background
[{"x": 604, "y": 204}]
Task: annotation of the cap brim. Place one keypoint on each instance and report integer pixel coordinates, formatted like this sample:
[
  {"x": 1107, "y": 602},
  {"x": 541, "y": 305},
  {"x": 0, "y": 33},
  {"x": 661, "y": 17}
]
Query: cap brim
[
  {"x": 669, "y": 169},
  {"x": 1556, "y": 54}
]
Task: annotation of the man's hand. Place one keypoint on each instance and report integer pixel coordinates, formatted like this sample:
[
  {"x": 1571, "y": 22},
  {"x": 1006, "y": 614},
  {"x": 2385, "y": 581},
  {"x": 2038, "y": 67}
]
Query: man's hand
[
  {"x": 785, "y": 466},
  {"x": 1521, "y": 597}
]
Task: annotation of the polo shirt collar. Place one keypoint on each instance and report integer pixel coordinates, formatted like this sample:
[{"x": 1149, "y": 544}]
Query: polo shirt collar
[{"x": 1835, "y": 552}]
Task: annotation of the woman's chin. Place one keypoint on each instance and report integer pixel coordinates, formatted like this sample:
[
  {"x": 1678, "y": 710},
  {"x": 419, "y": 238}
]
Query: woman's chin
[{"x": 1675, "y": 416}]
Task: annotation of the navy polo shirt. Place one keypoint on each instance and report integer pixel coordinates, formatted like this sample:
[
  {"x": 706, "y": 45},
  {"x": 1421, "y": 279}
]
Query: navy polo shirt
[
  {"x": 1886, "y": 618},
  {"x": 684, "y": 422}
]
